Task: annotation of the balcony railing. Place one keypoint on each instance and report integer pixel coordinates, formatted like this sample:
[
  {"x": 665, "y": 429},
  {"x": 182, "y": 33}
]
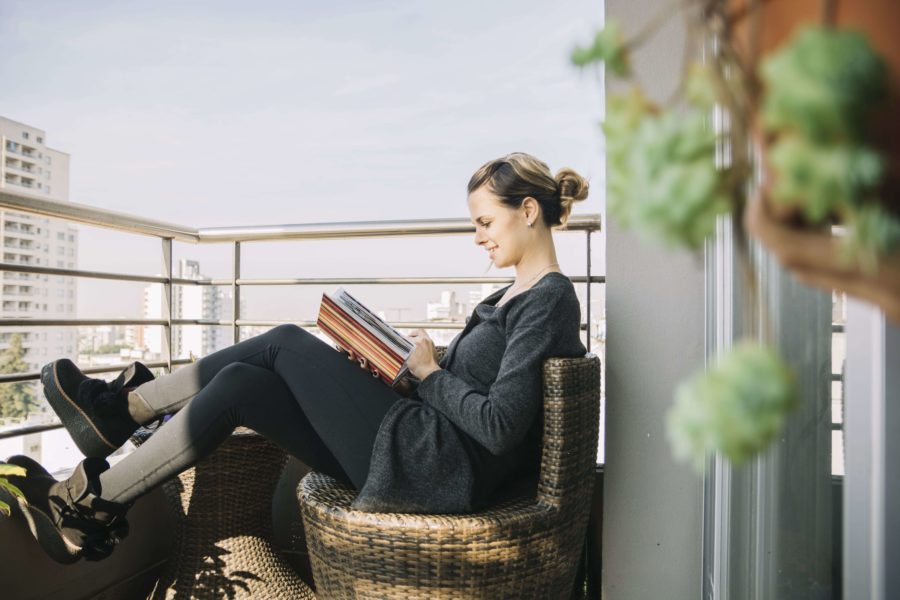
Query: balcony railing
[{"x": 236, "y": 236}]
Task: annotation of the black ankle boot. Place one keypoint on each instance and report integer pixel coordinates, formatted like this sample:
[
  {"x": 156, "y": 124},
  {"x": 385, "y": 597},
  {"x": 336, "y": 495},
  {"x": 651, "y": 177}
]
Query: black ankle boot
[
  {"x": 93, "y": 411},
  {"x": 67, "y": 517}
]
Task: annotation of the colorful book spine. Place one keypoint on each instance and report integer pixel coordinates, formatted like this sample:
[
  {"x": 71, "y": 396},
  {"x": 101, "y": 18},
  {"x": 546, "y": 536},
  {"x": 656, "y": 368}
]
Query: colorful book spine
[{"x": 349, "y": 334}]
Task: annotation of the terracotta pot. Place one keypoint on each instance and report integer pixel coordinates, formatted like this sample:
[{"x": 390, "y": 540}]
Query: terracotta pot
[{"x": 880, "y": 21}]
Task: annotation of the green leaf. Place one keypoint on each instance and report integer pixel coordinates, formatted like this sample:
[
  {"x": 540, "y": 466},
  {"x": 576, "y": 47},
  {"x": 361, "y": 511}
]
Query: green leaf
[
  {"x": 17, "y": 400},
  {"x": 823, "y": 180},
  {"x": 608, "y": 47},
  {"x": 823, "y": 83},
  {"x": 4, "y": 508},
  {"x": 662, "y": 177},
  {"x": 7, "y": 470},
  {"x": 701, "y": 89},
  {"x": 735, "y": 408},
  {"x": 872, "y": 232},
  {"x": 14, "y": 490}
]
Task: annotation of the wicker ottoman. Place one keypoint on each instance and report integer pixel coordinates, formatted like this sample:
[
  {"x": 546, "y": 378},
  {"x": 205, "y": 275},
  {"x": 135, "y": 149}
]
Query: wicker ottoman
[{"x": 224, "y": 514}]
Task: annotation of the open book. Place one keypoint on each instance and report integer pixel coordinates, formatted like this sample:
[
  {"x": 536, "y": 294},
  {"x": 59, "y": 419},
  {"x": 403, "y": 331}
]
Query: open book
[{"x": 355, "y": 328}]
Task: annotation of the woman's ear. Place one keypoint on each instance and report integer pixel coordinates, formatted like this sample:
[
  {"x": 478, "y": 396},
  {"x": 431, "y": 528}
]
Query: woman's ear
[{"x": 532, "y": 210}]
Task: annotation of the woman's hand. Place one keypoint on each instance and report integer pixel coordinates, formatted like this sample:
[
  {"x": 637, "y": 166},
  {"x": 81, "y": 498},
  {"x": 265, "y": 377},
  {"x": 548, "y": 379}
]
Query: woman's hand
[
  {"x": 422, "y": 361},
  {"x": 815, "y": 259}
]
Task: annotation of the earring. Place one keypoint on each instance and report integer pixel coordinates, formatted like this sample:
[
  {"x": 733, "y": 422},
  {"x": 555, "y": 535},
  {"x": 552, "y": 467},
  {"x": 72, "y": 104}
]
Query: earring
[{"x": 530, "y": 224}]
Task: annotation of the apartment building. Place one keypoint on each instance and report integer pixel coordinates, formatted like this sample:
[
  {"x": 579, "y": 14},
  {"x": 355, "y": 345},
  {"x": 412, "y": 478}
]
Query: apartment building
[
  {"x": 29, "y": 167},
  {"x": 188, "y": 302}
]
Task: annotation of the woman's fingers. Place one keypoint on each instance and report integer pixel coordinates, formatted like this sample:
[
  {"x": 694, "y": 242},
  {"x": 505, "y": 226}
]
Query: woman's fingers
[{"x": 351, "y": 355}]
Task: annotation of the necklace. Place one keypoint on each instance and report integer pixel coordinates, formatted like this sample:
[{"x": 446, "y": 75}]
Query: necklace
[{"x": 517, "y": 286}]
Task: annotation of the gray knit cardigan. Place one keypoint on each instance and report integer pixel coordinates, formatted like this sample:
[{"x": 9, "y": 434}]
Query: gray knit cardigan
[{"x": 474, "y": 426}]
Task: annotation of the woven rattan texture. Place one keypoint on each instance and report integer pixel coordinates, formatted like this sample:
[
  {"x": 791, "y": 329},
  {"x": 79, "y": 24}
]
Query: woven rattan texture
[
  {"x": 524, "y": 548},
  {"x": 224, "y": 509}
]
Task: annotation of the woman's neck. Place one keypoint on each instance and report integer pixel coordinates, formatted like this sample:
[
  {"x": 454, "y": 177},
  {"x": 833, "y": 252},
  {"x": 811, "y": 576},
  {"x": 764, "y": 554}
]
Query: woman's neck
[{"x": 543, "y": 260}]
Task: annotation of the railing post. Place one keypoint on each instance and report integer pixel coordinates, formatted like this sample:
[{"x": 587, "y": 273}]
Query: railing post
[
  {"x": 167, "y": 301},
  {"x": 588, "y": 294},
  {"x": 236, "y": 293}
]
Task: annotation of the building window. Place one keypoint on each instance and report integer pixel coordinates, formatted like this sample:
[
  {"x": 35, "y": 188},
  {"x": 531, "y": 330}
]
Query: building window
[
  {"x": 25, "y": 135},
  {"x": 40, "y": 140},
  {"x": 60, "y": 235}
]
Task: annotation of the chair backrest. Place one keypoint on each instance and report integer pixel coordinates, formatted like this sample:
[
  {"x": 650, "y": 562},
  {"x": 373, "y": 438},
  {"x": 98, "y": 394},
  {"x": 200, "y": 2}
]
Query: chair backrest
[{"x": 571, "y": 431}]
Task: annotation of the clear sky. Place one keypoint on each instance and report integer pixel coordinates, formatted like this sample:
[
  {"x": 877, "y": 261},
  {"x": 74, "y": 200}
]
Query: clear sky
[{"x": 232, "y": 113}]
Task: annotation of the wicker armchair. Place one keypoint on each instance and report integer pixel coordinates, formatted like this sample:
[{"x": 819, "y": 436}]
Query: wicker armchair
[{"x": 526, "y": 547}]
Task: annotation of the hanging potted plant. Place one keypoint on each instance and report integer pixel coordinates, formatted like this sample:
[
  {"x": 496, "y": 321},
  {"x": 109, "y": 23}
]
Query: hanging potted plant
[{"x": 797, "y": 102}]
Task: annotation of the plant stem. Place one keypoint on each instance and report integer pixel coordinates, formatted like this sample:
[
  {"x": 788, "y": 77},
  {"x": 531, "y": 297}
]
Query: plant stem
[
  {"x": 828, "y": 12},
  {"x": 691, "y": 33},
  {"x": 654, "y": 25},
  {"x": 755, "y": 18},
  {"x": 736, "y": 16}
]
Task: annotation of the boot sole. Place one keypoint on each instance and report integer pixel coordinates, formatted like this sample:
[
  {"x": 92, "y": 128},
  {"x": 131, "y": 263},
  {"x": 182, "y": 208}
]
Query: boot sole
[
  {"x": 84, "y": 433},
  {"x": 51, "y": 540}
]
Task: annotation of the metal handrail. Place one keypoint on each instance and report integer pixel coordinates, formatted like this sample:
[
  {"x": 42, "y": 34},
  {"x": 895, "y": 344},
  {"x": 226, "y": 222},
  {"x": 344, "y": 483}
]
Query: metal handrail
[
  {"x": 90, "y": 215},
  {"x": 169, "y": 232}
]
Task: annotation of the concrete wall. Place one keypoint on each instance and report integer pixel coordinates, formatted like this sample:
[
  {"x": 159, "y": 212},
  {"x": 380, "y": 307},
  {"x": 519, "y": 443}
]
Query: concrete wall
[{"x": 655, "y": 316}]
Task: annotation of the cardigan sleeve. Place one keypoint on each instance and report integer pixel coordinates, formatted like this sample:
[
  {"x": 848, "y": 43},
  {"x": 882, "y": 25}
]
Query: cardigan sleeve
[{"x": 500, "y": 419}]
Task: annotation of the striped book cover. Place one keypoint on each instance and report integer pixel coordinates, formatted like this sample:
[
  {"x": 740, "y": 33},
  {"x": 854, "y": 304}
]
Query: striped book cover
[{"x": 354, "y": 327}]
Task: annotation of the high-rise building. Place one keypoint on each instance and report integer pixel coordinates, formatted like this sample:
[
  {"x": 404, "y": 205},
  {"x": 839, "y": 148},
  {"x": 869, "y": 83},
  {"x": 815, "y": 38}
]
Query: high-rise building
[
  {"x": 28, "y": 166},
  {"x": 448, "y": 309},
  {"x": 189, "y": 302}
]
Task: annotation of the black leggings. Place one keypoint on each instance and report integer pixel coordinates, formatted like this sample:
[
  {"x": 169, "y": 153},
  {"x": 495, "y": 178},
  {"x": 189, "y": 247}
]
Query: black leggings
[{"x": 285, "y": 384}]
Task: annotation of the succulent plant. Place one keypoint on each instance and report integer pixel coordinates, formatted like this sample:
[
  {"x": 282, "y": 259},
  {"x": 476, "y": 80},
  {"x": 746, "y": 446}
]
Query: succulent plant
[{"x": 734, "y": 408}]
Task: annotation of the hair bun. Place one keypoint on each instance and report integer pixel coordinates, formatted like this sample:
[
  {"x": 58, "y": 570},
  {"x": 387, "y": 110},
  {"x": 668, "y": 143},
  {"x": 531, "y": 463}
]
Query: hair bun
[{"x": 572, "y": 188}]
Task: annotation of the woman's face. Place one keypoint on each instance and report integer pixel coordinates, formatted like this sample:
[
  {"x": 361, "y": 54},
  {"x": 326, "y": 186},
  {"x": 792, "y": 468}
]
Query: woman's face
[{"x": 502, "y": 231}]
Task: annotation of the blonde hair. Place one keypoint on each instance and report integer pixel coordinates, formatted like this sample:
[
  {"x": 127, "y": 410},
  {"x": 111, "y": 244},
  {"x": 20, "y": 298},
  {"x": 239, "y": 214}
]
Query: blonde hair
[{"x": 517, "y": 176}]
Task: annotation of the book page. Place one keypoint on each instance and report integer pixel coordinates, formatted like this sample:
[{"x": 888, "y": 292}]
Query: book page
[{"x": 373, "y": 322}]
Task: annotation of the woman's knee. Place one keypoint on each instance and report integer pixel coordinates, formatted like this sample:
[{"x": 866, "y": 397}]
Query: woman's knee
[
  {"x": 286, "y": 331},
  {"x": 241, "y": 376}
]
